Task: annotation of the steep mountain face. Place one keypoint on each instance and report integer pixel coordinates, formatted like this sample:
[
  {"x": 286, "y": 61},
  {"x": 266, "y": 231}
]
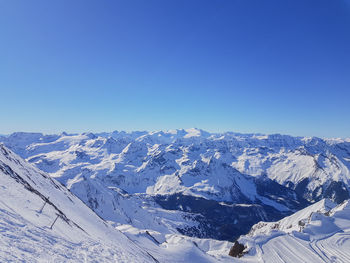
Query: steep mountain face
[
  {"x": 318, "y": 233},
  {"x": 41, "y": 221},
  {"x": 207, "y": 178}
]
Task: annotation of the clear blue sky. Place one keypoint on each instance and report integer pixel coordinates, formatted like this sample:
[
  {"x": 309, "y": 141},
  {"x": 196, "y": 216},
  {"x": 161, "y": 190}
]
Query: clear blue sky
[{"x": 278, "y": 66}]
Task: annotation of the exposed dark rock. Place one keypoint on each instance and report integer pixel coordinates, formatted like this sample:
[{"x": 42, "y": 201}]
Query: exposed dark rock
[
  {"x": 301, "y": 188},
  {"x": 337, "y": 192},
  {"x": 237, "y": 250},
  {"x": 281, "y": 194}
]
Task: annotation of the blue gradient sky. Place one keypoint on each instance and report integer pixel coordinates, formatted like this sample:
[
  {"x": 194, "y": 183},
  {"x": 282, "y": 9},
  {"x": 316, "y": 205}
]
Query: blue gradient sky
[{"x": 247, "y": 66}]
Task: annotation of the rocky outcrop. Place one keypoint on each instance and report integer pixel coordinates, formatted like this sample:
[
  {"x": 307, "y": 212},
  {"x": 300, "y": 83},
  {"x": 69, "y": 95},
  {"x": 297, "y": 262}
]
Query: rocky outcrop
[{"x": 237, "y": 250}]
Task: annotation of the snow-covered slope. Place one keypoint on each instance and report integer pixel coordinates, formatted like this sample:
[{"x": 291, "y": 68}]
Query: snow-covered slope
[
  {"x": 318, "y": 233},
  {"x": 64, "y": 230}
]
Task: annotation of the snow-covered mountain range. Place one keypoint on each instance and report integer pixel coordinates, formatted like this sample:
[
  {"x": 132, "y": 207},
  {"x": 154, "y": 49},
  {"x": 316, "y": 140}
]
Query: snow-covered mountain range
[
  {"x": 42, "y": 221},
  {"x": 172, "y": 196},
  {"x": 221, "y": 183}
]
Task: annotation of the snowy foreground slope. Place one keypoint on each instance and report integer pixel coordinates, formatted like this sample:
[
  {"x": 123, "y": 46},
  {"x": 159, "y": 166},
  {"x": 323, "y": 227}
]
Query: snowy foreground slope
[
  {"x": 318, "y": 233},
  {"x": 78, "y": 235}
]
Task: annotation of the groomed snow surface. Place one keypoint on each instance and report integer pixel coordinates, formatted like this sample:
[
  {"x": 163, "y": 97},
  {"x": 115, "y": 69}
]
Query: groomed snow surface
[{"x": 318, "y": 233}]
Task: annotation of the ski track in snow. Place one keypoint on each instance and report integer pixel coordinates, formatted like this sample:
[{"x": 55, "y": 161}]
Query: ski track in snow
[
  {"x": 335, "y": 248},
  {"x": 324, "y": 238}
]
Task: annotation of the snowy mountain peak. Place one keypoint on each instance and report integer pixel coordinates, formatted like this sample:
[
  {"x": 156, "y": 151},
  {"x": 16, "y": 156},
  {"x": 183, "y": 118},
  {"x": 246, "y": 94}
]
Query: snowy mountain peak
[{"x": 194, "y": 132}]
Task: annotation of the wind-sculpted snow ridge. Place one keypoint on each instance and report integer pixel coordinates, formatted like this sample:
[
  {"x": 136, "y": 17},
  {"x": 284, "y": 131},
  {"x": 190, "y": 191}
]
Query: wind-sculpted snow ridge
[
  {"x": 318, "y": 233},
  {"x": 190, "y": 181},
  {"x": 41, "y": 221}
]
